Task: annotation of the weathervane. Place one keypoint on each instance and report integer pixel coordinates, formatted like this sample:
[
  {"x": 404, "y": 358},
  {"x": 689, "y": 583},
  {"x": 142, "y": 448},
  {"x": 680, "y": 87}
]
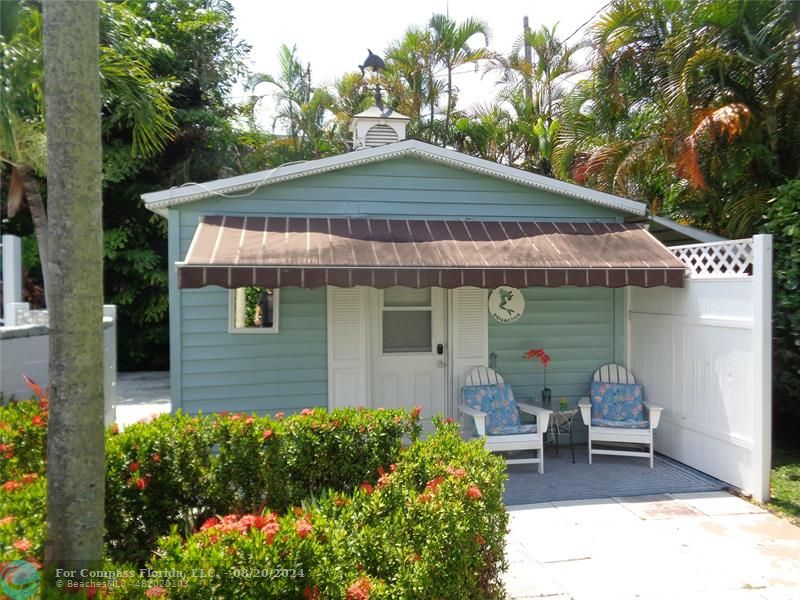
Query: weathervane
[{"x": 374, "y": 63}]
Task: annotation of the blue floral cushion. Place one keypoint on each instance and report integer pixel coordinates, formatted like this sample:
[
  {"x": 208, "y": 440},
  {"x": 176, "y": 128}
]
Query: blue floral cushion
[
  {"x": 497, "y": 401},
  {"x": 627, "y": 423},
  {"x": 512, "y": 429},
  {"x": 615, "y": 403}
]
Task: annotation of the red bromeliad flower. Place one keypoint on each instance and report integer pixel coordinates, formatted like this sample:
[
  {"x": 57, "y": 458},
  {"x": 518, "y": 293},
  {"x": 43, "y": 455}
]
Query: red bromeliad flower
[
  {"x": 539, "y": 353},
  {"x": 474, "y": 492},
  {"x": 543, "y": 357},
  {"x": 303, "y": 528},
  {"x": 359, "y": 590}
]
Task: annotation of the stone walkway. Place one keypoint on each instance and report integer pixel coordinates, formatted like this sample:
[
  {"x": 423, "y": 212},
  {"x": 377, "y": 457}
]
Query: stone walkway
[
  {"x": 709, "y": 545},
  {"x": 140, "y": 395}
]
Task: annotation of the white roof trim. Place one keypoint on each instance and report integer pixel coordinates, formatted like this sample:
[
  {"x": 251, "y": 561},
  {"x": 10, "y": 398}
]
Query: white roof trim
[
  {"x": 691, "y": 232},
  {"x": 159, "y": 201}
]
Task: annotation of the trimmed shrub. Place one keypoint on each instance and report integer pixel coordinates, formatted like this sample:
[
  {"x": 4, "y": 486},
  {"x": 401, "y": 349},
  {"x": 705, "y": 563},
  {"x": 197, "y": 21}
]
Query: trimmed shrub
[
  {"x": 179, "y": 470},
  {"x": 429, "y": 526},
  {"x": 23, "y": 490},
  {"x": 782, "y": 221}
]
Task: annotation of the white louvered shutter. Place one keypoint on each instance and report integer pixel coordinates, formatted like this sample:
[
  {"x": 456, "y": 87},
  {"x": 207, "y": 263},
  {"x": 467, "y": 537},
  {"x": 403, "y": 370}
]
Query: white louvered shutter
[
  {"x": 347, "y": 347},
  {"x": 470, "y": 334}
]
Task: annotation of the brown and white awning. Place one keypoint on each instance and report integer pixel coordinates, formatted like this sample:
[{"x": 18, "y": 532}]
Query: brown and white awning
[{"x": 236, "y": 251}]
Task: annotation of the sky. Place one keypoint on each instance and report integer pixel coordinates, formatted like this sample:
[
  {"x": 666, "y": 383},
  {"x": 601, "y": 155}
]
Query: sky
[{"x": 334, "y": 35}]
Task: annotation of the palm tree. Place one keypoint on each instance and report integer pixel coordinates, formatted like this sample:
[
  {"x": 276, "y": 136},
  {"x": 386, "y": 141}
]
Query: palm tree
[
  {"x": 452, "y": 50},
  {"x": 75, "y": 438},
  {"x": 301, "y": 108},
  {"x": 132, "y": 99},
  {"x": 690, "y": 103}
]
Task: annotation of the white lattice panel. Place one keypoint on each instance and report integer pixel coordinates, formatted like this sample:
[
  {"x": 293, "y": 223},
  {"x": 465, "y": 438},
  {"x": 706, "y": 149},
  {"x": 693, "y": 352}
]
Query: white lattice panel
[{"x": 717, "y": 259}]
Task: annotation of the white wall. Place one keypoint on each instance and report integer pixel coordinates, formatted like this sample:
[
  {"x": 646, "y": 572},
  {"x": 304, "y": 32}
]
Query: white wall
[
  {"x": 703, "y": 353},
  {"x": 24, "y": 350}
]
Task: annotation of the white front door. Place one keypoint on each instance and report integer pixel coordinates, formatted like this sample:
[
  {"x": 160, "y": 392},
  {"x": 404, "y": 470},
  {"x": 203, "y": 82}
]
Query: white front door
[{"x": 409, "y": 349}]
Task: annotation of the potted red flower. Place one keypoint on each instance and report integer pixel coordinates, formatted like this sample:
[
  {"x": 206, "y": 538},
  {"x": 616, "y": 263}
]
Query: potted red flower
[{"x": 544, "y": 358}]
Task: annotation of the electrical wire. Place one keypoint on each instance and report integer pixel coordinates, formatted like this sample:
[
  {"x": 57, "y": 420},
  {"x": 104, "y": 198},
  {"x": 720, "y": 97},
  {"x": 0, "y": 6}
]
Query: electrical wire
[{"x": 256, "y": 185}]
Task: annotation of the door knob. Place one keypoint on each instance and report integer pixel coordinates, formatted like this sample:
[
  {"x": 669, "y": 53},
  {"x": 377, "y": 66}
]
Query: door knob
[{"x": 440, "y": 364}]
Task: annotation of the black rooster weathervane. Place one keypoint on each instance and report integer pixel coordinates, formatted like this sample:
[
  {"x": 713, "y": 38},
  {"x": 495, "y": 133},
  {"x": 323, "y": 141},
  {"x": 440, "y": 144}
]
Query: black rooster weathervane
[{"x": 375, "y": 64}]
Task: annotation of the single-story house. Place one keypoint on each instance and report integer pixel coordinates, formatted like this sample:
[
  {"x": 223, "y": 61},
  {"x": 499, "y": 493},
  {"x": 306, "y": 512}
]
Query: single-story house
[{"x": 367, "y": 279}]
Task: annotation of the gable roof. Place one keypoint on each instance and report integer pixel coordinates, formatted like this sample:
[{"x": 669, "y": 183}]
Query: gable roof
[{"x": 241, "y": 184}]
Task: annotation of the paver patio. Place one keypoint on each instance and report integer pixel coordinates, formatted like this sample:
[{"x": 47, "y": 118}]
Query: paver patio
[{"x": 697, "y": 545}]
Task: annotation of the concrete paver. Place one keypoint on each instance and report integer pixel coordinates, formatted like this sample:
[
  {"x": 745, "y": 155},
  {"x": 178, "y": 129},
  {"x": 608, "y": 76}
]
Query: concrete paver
[{"x": 706, "y": 545}]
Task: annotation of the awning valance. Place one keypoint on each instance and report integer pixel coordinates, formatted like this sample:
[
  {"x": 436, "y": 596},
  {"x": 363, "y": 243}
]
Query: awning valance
[{"x": 237, "y": 251}]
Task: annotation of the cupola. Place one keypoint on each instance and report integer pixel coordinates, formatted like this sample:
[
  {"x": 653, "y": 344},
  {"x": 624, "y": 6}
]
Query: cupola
[{"x": 377, "y": 127}]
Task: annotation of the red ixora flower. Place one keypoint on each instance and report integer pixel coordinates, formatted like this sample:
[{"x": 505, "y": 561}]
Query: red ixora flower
[
  {"x": 208, "y": 523},
  {"x": 29, "y": 478},
  {"x": 156, "y": 592},
  {"x": 279, "y": 415},
  {"x": 367, "y": 487},
  {"x": 22, "y": 545},
  {"x": 303, "y": 528},
  {"x": 456, "y": 472},
  {"x": 249, "y": 421},
  {"x": 133, "y": 467},
  {"x": 359, "y": 590},
  {"x": 10, "y": 486},
  {"x": 37, "y": 421},
  {"x": 267, "y": 434},
  {"x": 155, "y": 457},
  {"x": 416, "y": 412},
  {"x": 310, "y": 593},
  {"x": 474, "y": 492},
  {"x": 6, "y": 520},
  {"x": 479, "y": 539},
  {"x": 142, "y": 482},
  {"x": 306, "y": 411}
]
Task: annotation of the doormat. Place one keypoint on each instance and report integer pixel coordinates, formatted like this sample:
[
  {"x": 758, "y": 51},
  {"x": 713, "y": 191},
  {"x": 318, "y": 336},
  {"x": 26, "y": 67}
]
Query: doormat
[{"x": 607, "y": 477}]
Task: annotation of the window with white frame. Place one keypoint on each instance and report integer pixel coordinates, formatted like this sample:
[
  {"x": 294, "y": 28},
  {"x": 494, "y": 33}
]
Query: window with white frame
[{"x": 254, "y": 309}]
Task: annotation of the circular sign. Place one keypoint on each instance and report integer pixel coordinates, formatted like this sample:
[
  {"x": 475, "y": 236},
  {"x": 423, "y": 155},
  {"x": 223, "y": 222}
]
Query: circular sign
[{"x": 506, "y": 304}]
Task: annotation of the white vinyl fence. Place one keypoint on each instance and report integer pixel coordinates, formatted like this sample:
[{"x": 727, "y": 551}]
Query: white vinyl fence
[{"x": 704, "y": 354}]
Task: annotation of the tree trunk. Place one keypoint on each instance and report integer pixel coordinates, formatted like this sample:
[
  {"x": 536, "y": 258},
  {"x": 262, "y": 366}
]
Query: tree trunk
[
  {"x": 449, "y": 105},
  {"x": 39, "y": 217},
  {"x": 75, "y": 442}
]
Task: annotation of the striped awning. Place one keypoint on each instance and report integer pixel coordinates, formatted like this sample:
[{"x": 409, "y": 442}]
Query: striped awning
[{"x": 237, "y": 251}]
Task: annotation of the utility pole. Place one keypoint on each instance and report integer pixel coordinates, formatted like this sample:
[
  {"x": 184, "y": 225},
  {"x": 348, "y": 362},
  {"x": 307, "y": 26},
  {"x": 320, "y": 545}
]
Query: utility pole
[{"x": 526, "y": 33}]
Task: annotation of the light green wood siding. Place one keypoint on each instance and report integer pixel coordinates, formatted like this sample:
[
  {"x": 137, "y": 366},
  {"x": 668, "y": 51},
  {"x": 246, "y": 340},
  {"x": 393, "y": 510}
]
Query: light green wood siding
[
  {"x": 214, "y": 370},
  {"x": 580, "y": 328}
]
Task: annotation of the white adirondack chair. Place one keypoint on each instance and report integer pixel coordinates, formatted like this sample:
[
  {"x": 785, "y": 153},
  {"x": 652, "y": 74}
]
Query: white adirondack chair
[
  {"x": 613, "y": 373},
  {"x": 509, "y": 442}
]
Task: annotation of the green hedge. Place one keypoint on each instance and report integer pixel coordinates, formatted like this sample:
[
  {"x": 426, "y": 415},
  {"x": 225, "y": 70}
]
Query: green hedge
[
  {"x": 180, "y": 470},
  {"x": 783, "y": 222},
  {"x": 315, "y": 505},
  {"x": 431, "y": 525}
]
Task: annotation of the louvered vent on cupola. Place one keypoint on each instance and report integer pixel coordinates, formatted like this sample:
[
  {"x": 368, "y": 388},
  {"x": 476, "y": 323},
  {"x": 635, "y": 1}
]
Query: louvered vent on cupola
[{"x": 375, "y": 127}]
